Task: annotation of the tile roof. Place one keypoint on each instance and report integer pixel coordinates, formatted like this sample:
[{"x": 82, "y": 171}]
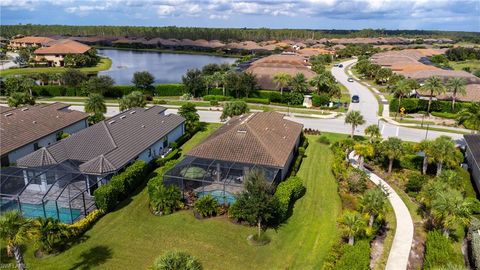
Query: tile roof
[
  {"x": 21, "y": 126},
  {"x": 473, "y": 143},
  {"x": 31, "y": 39},
  {"x": 472, "y": 93},
  {"x": 110, "y": 144},
  {"x": 63, "y": 46},
  {"x": 262, "y": 138}
]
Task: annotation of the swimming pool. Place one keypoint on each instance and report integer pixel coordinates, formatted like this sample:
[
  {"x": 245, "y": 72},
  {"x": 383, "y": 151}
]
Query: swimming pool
[
  {"x": 36, "y": 210},
  {"x": 228, "y": 198}
]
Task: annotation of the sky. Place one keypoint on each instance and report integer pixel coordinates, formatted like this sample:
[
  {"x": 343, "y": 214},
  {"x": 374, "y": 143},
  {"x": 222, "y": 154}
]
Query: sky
[{"x": 459, "y": 15}]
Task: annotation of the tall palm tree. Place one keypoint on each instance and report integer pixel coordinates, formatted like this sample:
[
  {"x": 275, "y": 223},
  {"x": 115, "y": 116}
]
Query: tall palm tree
[
  {"x": 373, "y": 132},
  {"x": 354, "y": 118},
  {"x": 392, "y": 148},
  {"x": 434, "y": 86},
  {"x": 95, "y": 104},
  {"x": 209, "y": 81},
  {"x": 470, "y": 115},
  {"x": 352, "y": 224},
  {"x": 15, "y": 230},
  {"x": 363, "y": 151},
  {"x": 374, "y": 203},
  {"x": 282, "y": 79},
  {"x": 456, "y": 85},
  {"x": 450, "y": 208},
  {"x": 443, "y": 150},
  {"x": 425, "y": 147},
  {"x": 319, "y": 81},
  {"x": 298, "y": 83},
  {"x": 401, "y": 89}
]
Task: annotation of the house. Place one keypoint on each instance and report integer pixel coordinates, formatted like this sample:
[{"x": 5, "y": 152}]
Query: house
[
  {"x": 53, "y": 53},
  {"x": 30, "y": 41},
  {"x": 264, "y": 141},
  {"x": 25, "y": 130},
  {"x": 472, "y": 156},
  {"x": 59, "y": 180}
]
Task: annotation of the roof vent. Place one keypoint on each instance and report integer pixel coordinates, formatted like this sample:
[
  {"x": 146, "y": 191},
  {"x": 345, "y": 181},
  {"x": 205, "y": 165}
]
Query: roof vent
[
  {"x": 24, "y": 109},
  {"x": 8, "y": 114},
  {"x": 242, "y": 131},
  {"x": 111, "y": 122},
  {"x": 143, "y": 126},
  {"x": 34, "y": 122},
  {"x": 132, "y": 112},
  {"x": 123, "y": 116}
]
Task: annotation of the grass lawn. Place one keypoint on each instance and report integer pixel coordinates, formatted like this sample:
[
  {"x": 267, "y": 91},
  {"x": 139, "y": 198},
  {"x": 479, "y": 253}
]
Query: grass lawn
[
  {"x": 104, "y": 64},
  {"x": 131, "y": 237},
  {"x": 473, "y": 64}
]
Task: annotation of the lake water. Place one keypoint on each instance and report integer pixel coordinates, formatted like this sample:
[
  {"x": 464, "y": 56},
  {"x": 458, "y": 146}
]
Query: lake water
[{"x": 166, "y": 67}]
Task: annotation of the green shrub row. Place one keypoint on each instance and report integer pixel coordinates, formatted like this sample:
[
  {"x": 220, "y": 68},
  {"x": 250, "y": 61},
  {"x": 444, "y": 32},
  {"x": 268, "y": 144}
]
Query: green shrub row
[
  {"x": 169, "y": 90},
  {"x": 440, "y": 252},
  {"x": 287, "y": 193},
  {"x": 300, "y": 155},
  {"x": 413, "y": 105},
  {"x": 355, "y": 257},
  {"x": 265, "y": 101},
  {"x": 159, "y": 162},
  {"x": 120, "y": 186},
  {"x": 216, "y": 97}
]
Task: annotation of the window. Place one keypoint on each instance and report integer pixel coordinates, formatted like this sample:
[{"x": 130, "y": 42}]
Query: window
[
  {"x": 36, "y": 146},
  {"x": 4, "y": 161}
]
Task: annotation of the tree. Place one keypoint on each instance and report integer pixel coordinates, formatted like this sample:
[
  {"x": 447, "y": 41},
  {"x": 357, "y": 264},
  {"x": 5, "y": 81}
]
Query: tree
[
  {"x": 194, "y": 82},
  {"x": 401, "y": 89},
  {"x": 23, "y": 58},
  {"x": 352, "y": 224},
  {"x": 393, "y": 149},
  {"x": 17, "y": 99},
  {"x": 210, "y": 69},
  {"x": 373, "y": 132},
  {"x": 15, "y": 230},
  {"x": 49, "y": 234},
  {"x": 95, "y": 104},
  {"x": 143, "y": 80},
  {"x": 73, "y": 77},
  {"x": 355, "y": 119},
  {"x": 177, "y": 260},
  {"x": 282, "y": 79},
  {"x": 298, "y": 83},
  {"x": 18, "y": 84},
  {"x": 434, "y": 86},
  {"x": 383, "y": 75},
  {"x": 470, "y": 115},
  {"x": 322, "y": 82},
  {"x": 363, "y": 151},
  {"x": 374, "y": 203},
  {"x": 234, "y": 108},
  {"x": 132, "y": 100},
  {"x": 456, "y": 85},
  {"x": 450, "y": 209},
  {"x": 257, "y": 203},
  {"x": 218, "y": 79},
  {"x": 427, "y": 148},
  {"x": 101, "y": 84},
  {"x": 443, "y": 150},
  {"x": 189, "y": 112}
]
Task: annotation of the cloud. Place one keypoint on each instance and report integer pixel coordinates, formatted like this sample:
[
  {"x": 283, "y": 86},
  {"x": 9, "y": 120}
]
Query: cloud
[{"x": 165, "y": 10}]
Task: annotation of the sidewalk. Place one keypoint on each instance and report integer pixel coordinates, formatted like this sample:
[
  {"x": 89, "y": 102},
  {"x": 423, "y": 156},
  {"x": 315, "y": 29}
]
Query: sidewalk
[{"x": 403, "y": 239}]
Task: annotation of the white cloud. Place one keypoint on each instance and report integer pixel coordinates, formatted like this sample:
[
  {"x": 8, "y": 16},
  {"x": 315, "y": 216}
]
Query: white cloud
[{"x": 165, "y": 10}]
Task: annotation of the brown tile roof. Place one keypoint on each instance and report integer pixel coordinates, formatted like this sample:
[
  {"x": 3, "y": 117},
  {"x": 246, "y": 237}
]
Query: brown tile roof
[
  {"x": 31, "y": 39},
  {"x": 22, "y": 126},
  {"x": 472, "y": 94},
  {"x": 314, "y": 51},
  {"x": 63, "y": 46},
  {"x": 109, "y": 145},
  {"x": 262, "y": 138}
]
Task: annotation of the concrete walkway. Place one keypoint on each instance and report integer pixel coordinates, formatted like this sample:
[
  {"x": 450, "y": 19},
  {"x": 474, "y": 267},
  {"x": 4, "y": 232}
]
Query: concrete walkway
[{"x": 403, "y": 239}]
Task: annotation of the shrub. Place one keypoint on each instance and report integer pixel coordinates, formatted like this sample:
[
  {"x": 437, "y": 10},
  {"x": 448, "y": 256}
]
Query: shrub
[
  {"x": 320, "y": 100},
  {"x": 287, "y": 193},
  {"x": 324, "y": 140},
  {"x": 295, "y": 98},
  {"x": 355, "y": 257},
  {"x": 298, "y": 160},
  {"x": 216, "y": 97},
  {"x": 214, "y": 103},
  {"x": 159, "y": 101},
  {"x": 257, "y": 100},
  {"x": 468, "y": 189},
  {"x": 474, "y": 243},
  {"x": 118, "y": 91},
  {"x": 275, "y": 97},
  {"x": 414, "y": 105},
  {"x": 164, "y": 200},
  {"x": 80, "y": 227},
  {"x": 415, "y": 182},
  {"x": 356, "y": 180},
  {"x": 169, "y": 89},
  {"x": 439, "y": 252},
  {"x": 176, "y": 260},
  {"x": 206, "y": 206},
  {"x": 411, "y": 162},
  {"x": 106, "y": 197},
  {"x": 159, "y": 162}
]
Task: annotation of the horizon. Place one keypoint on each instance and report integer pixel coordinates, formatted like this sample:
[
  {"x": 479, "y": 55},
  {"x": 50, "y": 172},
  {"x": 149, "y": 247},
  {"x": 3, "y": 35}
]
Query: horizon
[{"x": 436, "y": 15}]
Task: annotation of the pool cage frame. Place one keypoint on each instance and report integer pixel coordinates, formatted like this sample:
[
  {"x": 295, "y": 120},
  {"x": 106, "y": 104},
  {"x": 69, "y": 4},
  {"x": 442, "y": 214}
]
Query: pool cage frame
[
  {"x": 225, "y": 177},
  {"x": 59, "y": 191}
]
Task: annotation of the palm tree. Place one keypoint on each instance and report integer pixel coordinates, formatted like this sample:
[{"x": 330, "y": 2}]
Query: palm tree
[
  {"x": 425, "y": 147},
  {"x": 456, "y": 85},
  {"x": 352, "y": 224},
  {"x": 177, "y": 260},
  {"x": 319, "y": 81},
  {"x": 298, "y": 83},
  {"x": 49, "y": 233},
  {"x": 208, "y": 80},
  {"x": 392, "y": 148},
  {"x": 373, "y": 132},
  {"x": 374, "y": 203},
  {"x": 470, "y": 115},
  {"x": 443, "y": 150},
  {"x": 401, "y": 89},
  {"x": 15, "y": 230},
  {"x": 282, "y": 79},
  {"x": 363, "y": 151},
  {"x": 132, "y": 100},
  {"x": 450, "y": 209},
  {"x": 354, "y": 118},
  {"x": 95, "y": 104},
  {"x": 434, "y": 86}
]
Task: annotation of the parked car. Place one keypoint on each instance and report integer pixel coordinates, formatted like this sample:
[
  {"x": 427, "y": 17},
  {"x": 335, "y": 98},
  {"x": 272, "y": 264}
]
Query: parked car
[
  {"x": 350, "y": 80},
  {"x": 335, "y": 65},
  {"x": 340, "y": 66},
  {"x": 355, "y": 99}
]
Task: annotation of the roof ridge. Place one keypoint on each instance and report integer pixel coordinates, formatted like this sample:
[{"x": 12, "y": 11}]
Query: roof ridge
[
  {"x": 109, "y": 134},
  {"x": 265, "y": 147},
  {"x": 46, "y": 152}
]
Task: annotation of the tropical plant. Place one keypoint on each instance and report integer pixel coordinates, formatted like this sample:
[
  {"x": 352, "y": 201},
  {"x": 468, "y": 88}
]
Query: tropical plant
[
  {"x": 321, "y": 81},
  {"x": 50, "y": 234},
  {"x": 17, "y": 99},
  {"x": 363, "y": 151},
  {"x": 282, "y": 79},
  {"x": 401, "y": 89},
  {"x": 373, "y": 132},
  {"x": 194, "y": 82},
  {"x": 434, "y": 86},
  {"x": 100, "y": 84},
  {"x": 164, "y": 200},
  {"x": 189, "y": 112},
  {"x": 218, "y": 79},
  {"x": 73, "y": 77},
  {"x": 234, "y": 108},
  {"x": 298, "y": 83},
  {"x": 206, "y": 206},
  {"x": 18, "y": 84},
  {"x": 95, "y": 104},
  {"x": 374, "y": 203},
  {"x": 352, "y": 224},
  {"x": 470, "y": 115},
  {"x": 177, "y": 260},
  {"x": 456, "y": 85},
  {"x": 132, "y": 100},
  {"x": 425, "y": 146},
  {"x": 444, "y": 151},
  {"x": 383, "y": 75},
  {"x": 449, "y": 208},
  {"x": 15, "y": 230},
  {"x": 392, "y": 148},
  {"x": 354, "y": 118},
  {"x": 143, "y": 80}
]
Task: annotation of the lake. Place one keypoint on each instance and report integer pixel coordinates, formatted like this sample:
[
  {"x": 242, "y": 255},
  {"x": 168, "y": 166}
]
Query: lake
[{"x": 166, "y": 67}]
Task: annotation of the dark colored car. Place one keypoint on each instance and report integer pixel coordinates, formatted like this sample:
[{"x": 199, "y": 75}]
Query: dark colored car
[
  {"x": 340, "y": 66},
  {"x": 355, "y": 99},
  {"x": 350, "y": 80}
]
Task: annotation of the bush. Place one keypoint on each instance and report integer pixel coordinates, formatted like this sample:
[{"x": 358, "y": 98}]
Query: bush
[
  {"x": 159, "y": 162},
  {"x": 415, "y": 182},
  {"x": 355, "y": 257},
  {"x": 323, "y": 140},
  {"x": 80, "y": 227},
  {"x": 257, "y": 100},
  {"x": 439, "y": 252},
  {"x": 468, "y": 189},
  {"x": 164, "y": 200},
  {"x": 295, "y": 98},
  {"x": 159, "y": 101},
  {"x": 216, "y": 97},
  {"x": 177, "y": 261},
  {"x": 169, "y": 90},
  {"x": 214, "y": 103},
  {"x": 474, "y": 243},
  {"x": 415, "y": 105},
  {"x": 206, "y": 206},
  {"x": 298, "y": 160},
  {"x": 287, "y": 193},
  {"x": 106, "y": 197},
  {"x": 411, "y": 162},
  {"x": 118, "y": 91},
  {"x": 356, "y": 180},
  {"x": 320, "y": 100}
]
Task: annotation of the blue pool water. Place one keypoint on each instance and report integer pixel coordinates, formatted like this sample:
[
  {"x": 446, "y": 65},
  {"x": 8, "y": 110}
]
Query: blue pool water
[
  {"x": 229, "y": 198},
  {"x": 36, "y": 210}
]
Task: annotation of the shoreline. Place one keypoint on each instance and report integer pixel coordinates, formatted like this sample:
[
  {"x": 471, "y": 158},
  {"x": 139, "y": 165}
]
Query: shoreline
[{"x": 172, "y": 51}]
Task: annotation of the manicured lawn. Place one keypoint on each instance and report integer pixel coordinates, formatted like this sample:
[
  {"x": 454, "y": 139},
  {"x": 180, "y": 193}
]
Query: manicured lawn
[
  {"x": 104, "y": 64},
  {"x": 131, "y": 238},
  {"x": 473, "y": 64}
]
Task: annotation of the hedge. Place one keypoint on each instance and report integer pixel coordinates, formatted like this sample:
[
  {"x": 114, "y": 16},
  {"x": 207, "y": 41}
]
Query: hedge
[
  {"x": 53, "y": 90},
  {"x": 216, "y": 97},
  {"x": 474, "y": 243},
  {"x": 439, "y": 252},
  {"x": 413, "y": 105},
  {"x": 287, "y": 193},
  {"x": 80, "y": 227},
  {"x": 169, "y": 89},
  {"x": 257, "y": 100},
  {"x": 355, "y": 257}
]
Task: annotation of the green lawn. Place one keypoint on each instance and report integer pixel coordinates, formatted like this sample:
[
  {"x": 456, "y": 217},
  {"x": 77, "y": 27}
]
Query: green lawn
[
  {"x": 473, "y": 64},
  {"x": 131, "y": 238},
  {"x": 104, "y": 64}
]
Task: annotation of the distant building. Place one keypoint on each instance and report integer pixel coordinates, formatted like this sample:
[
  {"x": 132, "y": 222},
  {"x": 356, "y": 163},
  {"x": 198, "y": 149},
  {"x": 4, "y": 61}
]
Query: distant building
[
  {"x": 53, "y": 53},
  {"x": 25, "y": 130},
  {"x": 30, "y": 41},
  {"x": 472, "y": 155}
]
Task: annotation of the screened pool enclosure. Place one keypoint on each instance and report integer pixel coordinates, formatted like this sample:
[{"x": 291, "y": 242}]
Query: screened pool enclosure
[
  {"x": 218, "y": 178},
  {"x": 59, "y": 191}
]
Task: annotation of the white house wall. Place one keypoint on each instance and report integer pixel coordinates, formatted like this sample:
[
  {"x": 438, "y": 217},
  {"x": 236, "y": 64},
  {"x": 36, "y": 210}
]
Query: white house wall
[{"x": 157, "y": 148}]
